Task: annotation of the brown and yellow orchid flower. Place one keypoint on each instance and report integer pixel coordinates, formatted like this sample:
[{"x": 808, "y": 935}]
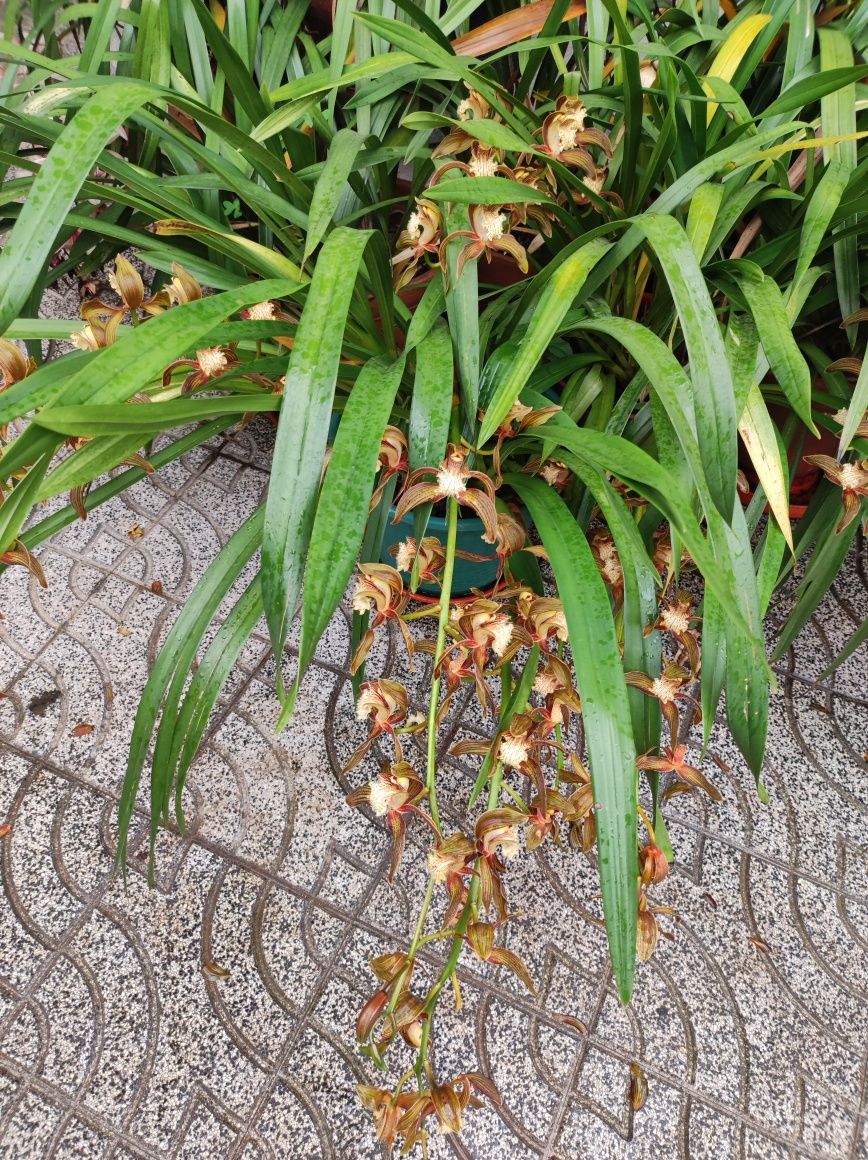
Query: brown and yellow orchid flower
[
  {"x": 394, "y": 794},
  {"x": 393, "y": 460},
  {"x": 669, "y": 689},
  {"x": 663, "y": 559},
  {"x": 497, "y": 838},
  {"x": 564, "y": 134},
  {"x": 387, "y": 1109},
  {"x": 480, "y": 939},
  {"x": 580, "y": 809},
  {"x": 379, "y": 590},
  {"x": 476, "y": 628},
  {"x": 540, "y": 215},
  {"x": 518, "y": 747},
  {"x": 522, "y": 744},
  {"x": 609, "y": 564},
  {"x": 14, "y": 366},
  {"x": 852, "y": 478},
  {"x": 210, "y": 363},
  {"x": 647, "y": 930},
  {"x": 456, "y": 664},
  {"x": 556, "y": 474},
  {"x": 484, "y": 162},
  {"x": 384, "y": 703},
  {"x": 447, "y": 1102},
  {"x": 519, "y": 418},
  {"x": 127, "y": 283},
  {"x": 450, "y": 862},
  {"x": 677, "y": 617},
  {"x": 554, "y": 683},
  {"x": 488, "y": 234},
  {"x": 421, "y": 236},
  {"x": 840, "y": 417},
  {"x": 453, "y": 477},
  {"x": 542, "y": 818},
  {"x": 263, "y": 312},
  {"x": 431, "y": 553},
  {"x": 674, "y": 760},
  {"x": 483, "y": 625},
  {"x": 95, "y": 335},
  {"x": 184, "y": 287},
  {"x": 541, "y": 618},
  {"x": 473, "y": 107},
  {"x": 596, "y": 184},
  {"x": 511, "y": 534},
  {"x": 387, "y": 967}
]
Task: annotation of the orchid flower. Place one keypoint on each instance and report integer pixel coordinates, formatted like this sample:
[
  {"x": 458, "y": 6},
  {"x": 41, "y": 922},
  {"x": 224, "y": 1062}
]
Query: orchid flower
[{"x": 452, "y": 479}]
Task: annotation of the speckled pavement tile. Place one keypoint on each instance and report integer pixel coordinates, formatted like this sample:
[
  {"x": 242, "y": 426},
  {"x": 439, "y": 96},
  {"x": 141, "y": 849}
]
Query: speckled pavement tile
[{"x": 750, "y": 1022}]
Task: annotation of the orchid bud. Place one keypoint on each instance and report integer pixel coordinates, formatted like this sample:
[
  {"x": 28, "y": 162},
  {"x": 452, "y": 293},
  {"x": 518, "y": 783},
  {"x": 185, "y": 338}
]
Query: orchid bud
[
  {"x": 653, "y": 864},
  {"x": 370, "y": 1014}
]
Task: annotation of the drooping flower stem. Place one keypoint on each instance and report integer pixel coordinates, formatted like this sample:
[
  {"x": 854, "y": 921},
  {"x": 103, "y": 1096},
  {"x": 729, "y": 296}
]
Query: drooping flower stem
[
  {"x": 415, "y": 943},
  {"x": 442, "y": 621},
  {"x": 458, "y": 937}
]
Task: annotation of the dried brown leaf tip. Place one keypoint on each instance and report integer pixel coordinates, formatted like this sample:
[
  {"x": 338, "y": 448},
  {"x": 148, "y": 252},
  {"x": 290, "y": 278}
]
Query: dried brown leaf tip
[
  {"x": 638, "y": 1087},
  {"x": 135, "y": 531},
  {"x": 572, "y": 1022},
  {"x": 83, "y": 729},
  {"x": 215, "y": 971},
  {"x": 761, "y": 945},
  {"x": 5, "y": 830}
]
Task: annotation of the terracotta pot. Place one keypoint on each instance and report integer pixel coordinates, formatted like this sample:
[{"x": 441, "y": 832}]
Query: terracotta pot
[{"x": 321, "y": 13}]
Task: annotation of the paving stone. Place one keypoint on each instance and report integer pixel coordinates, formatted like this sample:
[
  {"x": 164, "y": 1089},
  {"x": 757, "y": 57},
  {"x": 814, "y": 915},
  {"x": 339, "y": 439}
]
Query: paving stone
[{"x": 750, "y": 1022}]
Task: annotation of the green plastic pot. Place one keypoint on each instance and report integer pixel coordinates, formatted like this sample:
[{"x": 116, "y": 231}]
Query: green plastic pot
[{"x": 468, "y": 574}]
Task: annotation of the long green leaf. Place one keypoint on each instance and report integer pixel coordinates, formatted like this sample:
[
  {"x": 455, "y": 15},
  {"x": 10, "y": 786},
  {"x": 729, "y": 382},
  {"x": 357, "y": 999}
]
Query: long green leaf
[
  {"x": 16, "y": 507},
  {"x": 172, "y": 669},
  {"x": 212, "y": 674},
  {"x": 330, "y": 186},
  {"x": 747, "y": 682},
  {"x": 553, "y": 304},
  {"x": 784, "y": 357},
  {"x": 462, "y": 310},
  {"x": 432, "y": 396},
  {"x": 713, "y": 672},
  {"x": 342, "y": 511},
  {"x": 485, "y": 191},
  {"x": 838, "y": 118},
  {"x": 856, "y": 409},
  {"x": 713, "y": 394},
  {"x": 761, "y": 442},
  {"x": 144, "y": 418},
  {"x": 605, "y": 712},
  {"x": 54, "y": 189},
  {"x": 430, "y": 408},
  {"x": 138, "y": 357},
  {"x": 302, "y": 432}
]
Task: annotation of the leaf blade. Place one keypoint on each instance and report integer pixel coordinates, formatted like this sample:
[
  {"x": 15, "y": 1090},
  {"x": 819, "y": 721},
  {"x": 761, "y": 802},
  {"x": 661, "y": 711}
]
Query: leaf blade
[{"x": 606, "y": 712}]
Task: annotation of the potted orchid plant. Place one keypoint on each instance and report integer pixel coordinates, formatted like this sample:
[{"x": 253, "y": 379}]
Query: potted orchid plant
[{"x": 551, "y": 293}]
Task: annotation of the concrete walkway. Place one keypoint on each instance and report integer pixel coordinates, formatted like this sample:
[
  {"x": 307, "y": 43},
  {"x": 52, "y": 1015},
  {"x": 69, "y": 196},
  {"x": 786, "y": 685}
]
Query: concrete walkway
[{"x": 750, "y": 1022}]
